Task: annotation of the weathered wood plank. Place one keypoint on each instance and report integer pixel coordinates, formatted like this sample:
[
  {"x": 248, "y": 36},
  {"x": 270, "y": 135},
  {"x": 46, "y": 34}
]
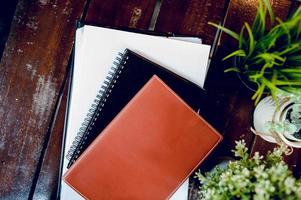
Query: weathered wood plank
[
  {"x": 245, "y": 11},
  {"x": 191, "y": 17},
  {"x": 99, "y": 12},
  {"x": 238, "y": 108},
  {"x": 46, "y": 186},
  {"x": 137, "y": 14},
  {"x": 262, "y": 146},
  {"x": 31, "y": 73},
  {"x": 131, "y": 13}
]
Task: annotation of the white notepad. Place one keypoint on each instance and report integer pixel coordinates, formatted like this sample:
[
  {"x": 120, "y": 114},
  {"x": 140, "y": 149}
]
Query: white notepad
[{"x": 97, "y": 47}]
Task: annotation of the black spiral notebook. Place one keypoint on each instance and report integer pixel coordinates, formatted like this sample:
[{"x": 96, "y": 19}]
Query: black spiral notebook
[{"x": 129, "y": 73}]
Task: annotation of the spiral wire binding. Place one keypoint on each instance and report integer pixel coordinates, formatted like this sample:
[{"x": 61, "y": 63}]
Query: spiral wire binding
[{"x": 96, "y": 107}]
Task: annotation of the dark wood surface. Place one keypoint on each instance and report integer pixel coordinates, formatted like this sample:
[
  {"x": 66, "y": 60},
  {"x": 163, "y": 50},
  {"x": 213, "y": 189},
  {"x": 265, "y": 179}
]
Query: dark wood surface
[
  {"x": 34, "y": 68},
  {"x": 32, "y": 71},
  {"x": 191, "y": 17}
]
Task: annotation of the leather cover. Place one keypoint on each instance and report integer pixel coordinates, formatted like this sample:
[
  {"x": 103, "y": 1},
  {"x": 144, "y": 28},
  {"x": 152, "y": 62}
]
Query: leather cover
[
  {"x": 136, "y": 71},
  {"x": 147, "y": 151}
]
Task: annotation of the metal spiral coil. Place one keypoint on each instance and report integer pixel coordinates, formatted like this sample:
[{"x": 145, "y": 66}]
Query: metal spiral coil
[{"x": 95, "y": 109}]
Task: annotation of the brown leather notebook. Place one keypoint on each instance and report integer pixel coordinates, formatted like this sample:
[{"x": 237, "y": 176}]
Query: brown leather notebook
[{"x": 148, "y": 150}]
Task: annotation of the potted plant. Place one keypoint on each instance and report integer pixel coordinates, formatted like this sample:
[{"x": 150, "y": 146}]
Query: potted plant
[
  {"x": 279, "y": 123},
  {"x": 268, "y": 53},
  {"x": 248, "y": 177}
]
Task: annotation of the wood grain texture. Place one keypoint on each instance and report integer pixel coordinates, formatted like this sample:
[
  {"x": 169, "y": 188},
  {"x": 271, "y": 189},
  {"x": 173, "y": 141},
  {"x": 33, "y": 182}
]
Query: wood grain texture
[
  {"x": 245, "y": 11},
  {"x": 31, "y": 73},
  {"x": 191, "y": 17},
  {"x": 34, "y": 65},
  {"x": 238, "y": 106},
  {"x": 46, "y": 186},
  {"x": 128, "y": 16},
  {"x": 130, "y": 13}
]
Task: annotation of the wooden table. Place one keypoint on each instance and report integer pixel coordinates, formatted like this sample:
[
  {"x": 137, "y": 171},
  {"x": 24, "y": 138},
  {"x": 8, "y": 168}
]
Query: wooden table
[{"x": 34, "y": 70}]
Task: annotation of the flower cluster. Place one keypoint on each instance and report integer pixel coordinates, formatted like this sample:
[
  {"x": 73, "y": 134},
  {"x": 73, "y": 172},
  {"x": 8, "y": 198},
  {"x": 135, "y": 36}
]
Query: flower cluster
[{"x": 251, "y": 178}]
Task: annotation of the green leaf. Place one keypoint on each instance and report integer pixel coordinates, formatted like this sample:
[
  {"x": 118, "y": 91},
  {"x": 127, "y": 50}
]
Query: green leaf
[
  {"x": 295, "y": 91},
  {"x": 258, "y": 94},
  {"x": 291, "y": 70},
  {"x": 251, "y": 39},
  {"x": 296, "y": 13},
  {"x": 232, "y": 69},
  {"x": 289, "y": 83},
  {"x": 226, "y": 30},
  {"x": 298, "y": 31},
  {"x": 294, "y": 58},
  {"x": 270, "y": 10},
  {"x": 241, "y": 40},
  {"x": 238, "y": 52},
  {"x": 267, "y": 65},
  {"x": 294, "y": 76},
  {"x": 285, "y": 29},
  {"x": 273, "y": 82},
  {"x": 258, "y": 26},
  {"x": 269, "y": 40},
  {"x": 260, "y": 73},
  {"x": 292, "y": 49},
  {"x": 270, "y": 58}
]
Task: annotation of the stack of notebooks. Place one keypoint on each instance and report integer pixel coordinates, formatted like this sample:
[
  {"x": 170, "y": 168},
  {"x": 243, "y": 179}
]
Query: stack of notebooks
[{"x": 134, "y": 128}]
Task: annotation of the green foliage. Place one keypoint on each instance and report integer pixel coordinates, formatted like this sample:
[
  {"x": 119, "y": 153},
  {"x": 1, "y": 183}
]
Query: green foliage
[
  {"x": 296, "y": 114},
  {"x": 269, "y": 57},
  {"x": 251, "y": 178},
  {"x": 282, "y": 126},
  {"x": 291, "y": 126}
]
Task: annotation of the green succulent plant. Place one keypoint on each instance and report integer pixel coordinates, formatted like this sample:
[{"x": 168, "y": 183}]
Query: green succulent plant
[
  {"x": 268, "y": 52},
  {"x": 291, "y": 126}
]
